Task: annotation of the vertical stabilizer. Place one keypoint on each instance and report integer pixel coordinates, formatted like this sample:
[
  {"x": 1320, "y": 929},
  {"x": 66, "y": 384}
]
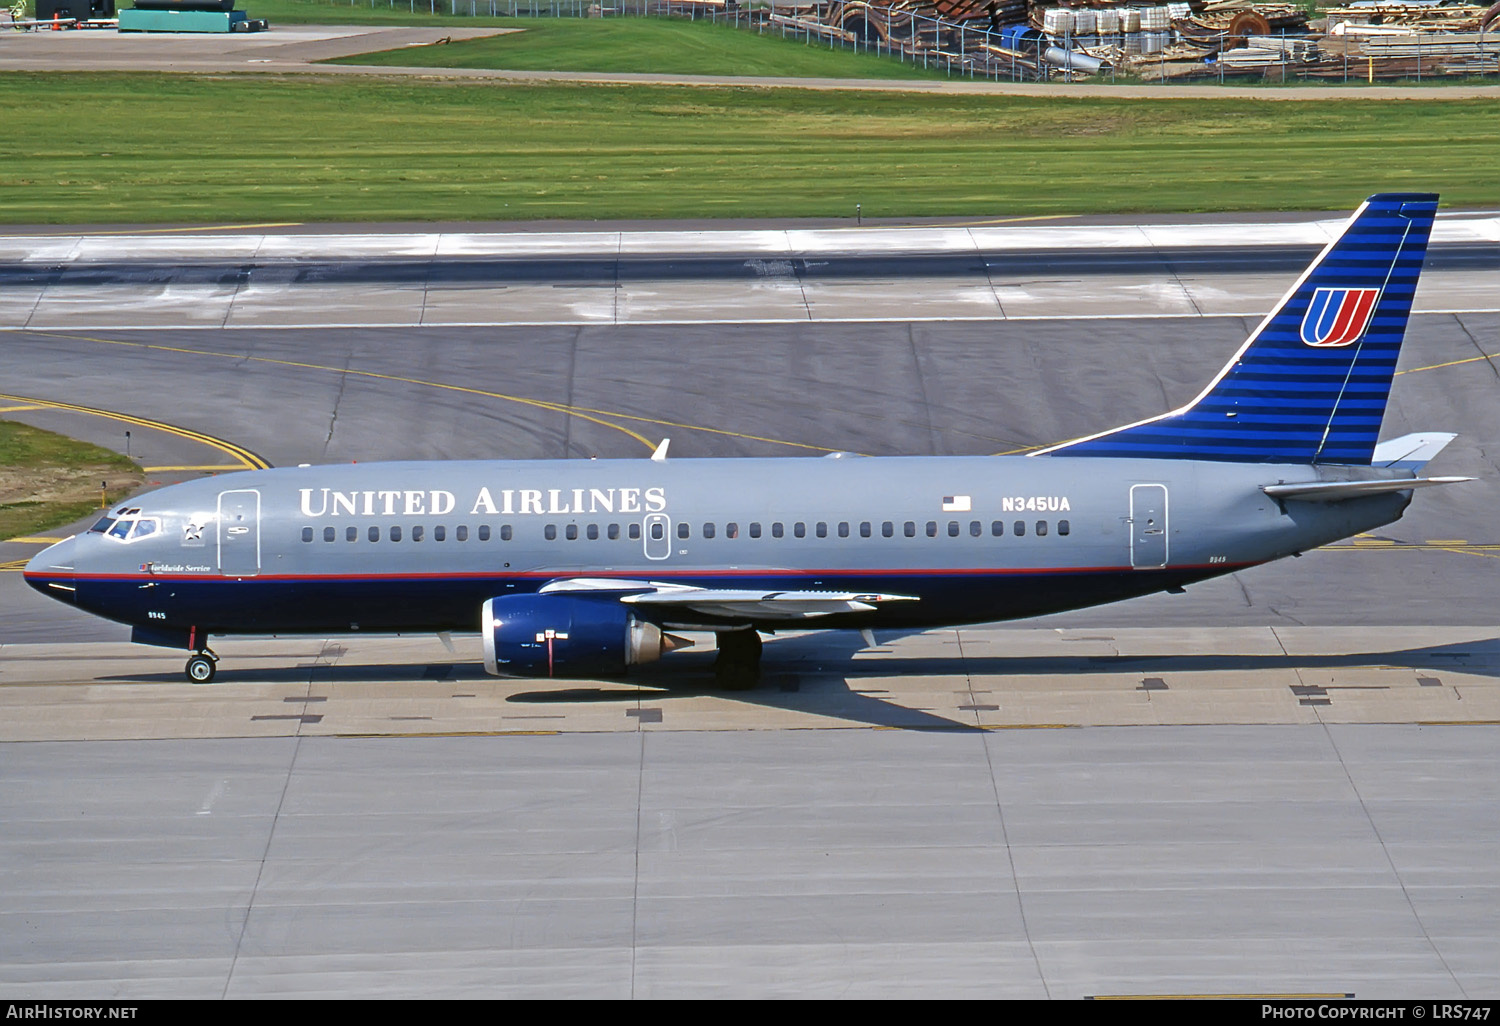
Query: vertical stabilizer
[{"x": 1310, "y": 384}]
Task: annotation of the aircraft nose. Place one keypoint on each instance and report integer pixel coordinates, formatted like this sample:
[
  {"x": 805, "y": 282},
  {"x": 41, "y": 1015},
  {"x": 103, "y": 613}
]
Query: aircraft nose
[{"x": 52, "y": 570}]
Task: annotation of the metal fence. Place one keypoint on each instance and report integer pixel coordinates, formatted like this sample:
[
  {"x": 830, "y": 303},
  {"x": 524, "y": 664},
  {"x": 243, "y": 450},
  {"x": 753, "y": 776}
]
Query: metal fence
[{"x": 965, "y": 50}]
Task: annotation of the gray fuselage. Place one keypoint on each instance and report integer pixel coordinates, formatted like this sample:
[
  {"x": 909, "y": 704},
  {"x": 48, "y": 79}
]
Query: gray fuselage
[{"x": 421, "y": 545}]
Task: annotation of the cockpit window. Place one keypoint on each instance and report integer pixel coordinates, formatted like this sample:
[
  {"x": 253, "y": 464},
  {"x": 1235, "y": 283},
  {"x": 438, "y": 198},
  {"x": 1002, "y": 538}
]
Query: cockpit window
[
  {"x": 128, "y": 525},
  {"x": 101, "y": 525}
]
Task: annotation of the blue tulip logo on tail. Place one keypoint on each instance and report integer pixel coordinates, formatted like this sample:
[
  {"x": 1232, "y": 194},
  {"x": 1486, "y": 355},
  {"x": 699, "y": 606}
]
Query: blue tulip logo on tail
[{"x": 1338, "y": 317}]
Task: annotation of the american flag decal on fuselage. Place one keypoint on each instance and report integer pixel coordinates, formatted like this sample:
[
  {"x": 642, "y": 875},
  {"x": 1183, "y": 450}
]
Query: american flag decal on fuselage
[{"x": 1337, "y": 317}]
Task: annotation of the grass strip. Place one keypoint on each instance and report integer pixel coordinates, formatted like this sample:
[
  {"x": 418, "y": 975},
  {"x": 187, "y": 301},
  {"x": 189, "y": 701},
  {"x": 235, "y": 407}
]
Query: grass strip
[
  {"x": 157, "y": 148},
  {"x": 48, "y": 480},
  {"x": 664, "y": 46}
]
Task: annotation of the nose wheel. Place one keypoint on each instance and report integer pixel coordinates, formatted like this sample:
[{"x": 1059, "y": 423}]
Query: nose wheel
[{"x": 202, "y": 667}]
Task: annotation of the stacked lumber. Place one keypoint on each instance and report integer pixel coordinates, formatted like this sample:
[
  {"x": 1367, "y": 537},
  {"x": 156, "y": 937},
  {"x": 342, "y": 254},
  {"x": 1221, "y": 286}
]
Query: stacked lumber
[
  {"x": 1433, "y": 44},
  {"x": 1207, "y": 38},
  {"x": 1422, "y": 17}
]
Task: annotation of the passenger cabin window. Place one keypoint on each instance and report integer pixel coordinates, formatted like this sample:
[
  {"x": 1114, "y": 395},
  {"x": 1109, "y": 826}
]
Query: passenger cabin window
[
  {"x": 799, "y": 529},
  {"x": 395, "y": 534},
  {"x": 843, "y": 528},
  {"x": 658, "y": 531},
  {"x": 822, "y": 530},
  {"x": 613, "y": 532},
  {"x": 975, "y": 529},
  {"x": 1063, "y": 527},
  {"x": 329, "y": 534},
  {"x": 997, "y": 528},
  {"x": 731, "y": 530},
  {"x": 776, "y": 530},
  {"x": 550, "y": 532},
  {"x": 352, "y": 533},
  {"x": 953, "y": 529},
  {"x": 307, "y": 534},
  {"x": 755, "y": 529},
  {"x": 439, "y": 533},
  {"x": 461, "y": 532},
  {"x": 374, "y": 534},
  {"x": 708, "y": 530},
  {"x": 1019, "y": 529},
  {"x": 1041, "y": 528},
  {"x": 635, "y": 532},
  {"x": 888, "y": 530},
  {"x": 416, "y": 533},
  {"x": 864, "y": 529},
  {"x": 484, "y": 532},
  {"x": 571, "y": 532},
  {"x": 909, "y": 528},
  {"x": 682, "y": 529},
  {"x": 932, "y": 528},
  {"x": 593, "y": 532}
]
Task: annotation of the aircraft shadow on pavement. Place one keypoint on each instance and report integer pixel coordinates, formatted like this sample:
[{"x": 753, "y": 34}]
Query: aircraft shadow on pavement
[{"x": 825, "y": 680}]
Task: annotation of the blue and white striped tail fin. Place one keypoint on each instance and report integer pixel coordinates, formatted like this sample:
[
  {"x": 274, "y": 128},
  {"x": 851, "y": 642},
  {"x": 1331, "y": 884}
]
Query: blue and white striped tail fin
[{"x": 1310, "y": 384}]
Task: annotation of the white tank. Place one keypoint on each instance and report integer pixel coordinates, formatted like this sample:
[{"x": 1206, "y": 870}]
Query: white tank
[
  {"x": 1084, "y": 22},
  {"x": 1155, "y": 19},
  {"x": 1130, "y": 20},
  {"x": 1175, "y": 11},
  {"x": 1057, "y": 21},
  {"x": 1108, "y": 22}
]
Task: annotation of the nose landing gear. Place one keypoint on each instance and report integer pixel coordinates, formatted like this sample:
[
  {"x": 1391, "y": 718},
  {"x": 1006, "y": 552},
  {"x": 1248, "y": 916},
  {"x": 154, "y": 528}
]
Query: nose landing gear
[{"x": 201, "y": 667}]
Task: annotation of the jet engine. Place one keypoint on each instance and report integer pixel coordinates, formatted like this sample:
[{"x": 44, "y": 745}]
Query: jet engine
[{"x": 568, "y": 636}]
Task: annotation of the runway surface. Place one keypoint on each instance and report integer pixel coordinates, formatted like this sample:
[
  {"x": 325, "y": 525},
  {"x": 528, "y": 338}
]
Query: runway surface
[
  {"x": 988, "y": 271},
  {"x": 1278, "y": 782}
]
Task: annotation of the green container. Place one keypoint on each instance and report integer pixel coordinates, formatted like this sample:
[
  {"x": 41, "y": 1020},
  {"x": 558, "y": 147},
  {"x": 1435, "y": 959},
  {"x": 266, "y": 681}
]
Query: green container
[{"x": 180, "y": 21}]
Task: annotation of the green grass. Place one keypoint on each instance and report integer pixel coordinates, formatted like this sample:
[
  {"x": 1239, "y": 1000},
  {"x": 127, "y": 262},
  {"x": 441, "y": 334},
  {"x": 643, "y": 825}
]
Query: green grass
[
  {"x": 670, "y": 46},
  {"x": 160, "y": 148},
  {"x": 47, "y": 480}
]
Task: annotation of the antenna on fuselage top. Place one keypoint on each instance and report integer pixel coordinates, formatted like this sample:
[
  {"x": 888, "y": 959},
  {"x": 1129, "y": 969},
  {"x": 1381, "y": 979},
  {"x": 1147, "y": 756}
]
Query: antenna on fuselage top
[{"x": 660, "y": 455}]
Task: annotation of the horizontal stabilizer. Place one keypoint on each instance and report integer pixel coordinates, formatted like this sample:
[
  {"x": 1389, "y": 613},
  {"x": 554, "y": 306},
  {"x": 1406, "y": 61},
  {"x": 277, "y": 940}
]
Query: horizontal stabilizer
[
  {"x": 1338, "y": 491},
  {"x": 1411, "y": 452}
]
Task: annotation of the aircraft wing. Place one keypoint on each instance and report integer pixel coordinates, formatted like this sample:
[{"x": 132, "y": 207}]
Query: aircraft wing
[
  {"x": 731, "y": 603},
  {"x": 1338, "y": 491}
]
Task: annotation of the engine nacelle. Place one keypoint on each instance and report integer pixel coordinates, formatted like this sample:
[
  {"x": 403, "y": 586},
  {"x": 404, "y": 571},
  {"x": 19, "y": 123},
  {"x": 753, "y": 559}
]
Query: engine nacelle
[{"x": 567, "y": 636}]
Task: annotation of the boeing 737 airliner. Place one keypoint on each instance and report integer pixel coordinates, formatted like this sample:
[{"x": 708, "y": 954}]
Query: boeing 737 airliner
[{"x": 583, "y": 568}]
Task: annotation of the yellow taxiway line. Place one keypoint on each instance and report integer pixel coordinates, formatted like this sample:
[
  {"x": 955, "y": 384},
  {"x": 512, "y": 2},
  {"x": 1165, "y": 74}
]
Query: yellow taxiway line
[{"x": 247, "y": 459}]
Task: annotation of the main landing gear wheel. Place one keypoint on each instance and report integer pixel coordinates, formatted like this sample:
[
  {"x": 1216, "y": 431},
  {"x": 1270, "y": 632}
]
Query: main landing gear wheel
[
  {"x": 738, "y": 665},
  {"x": 202, "y": 667}
]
